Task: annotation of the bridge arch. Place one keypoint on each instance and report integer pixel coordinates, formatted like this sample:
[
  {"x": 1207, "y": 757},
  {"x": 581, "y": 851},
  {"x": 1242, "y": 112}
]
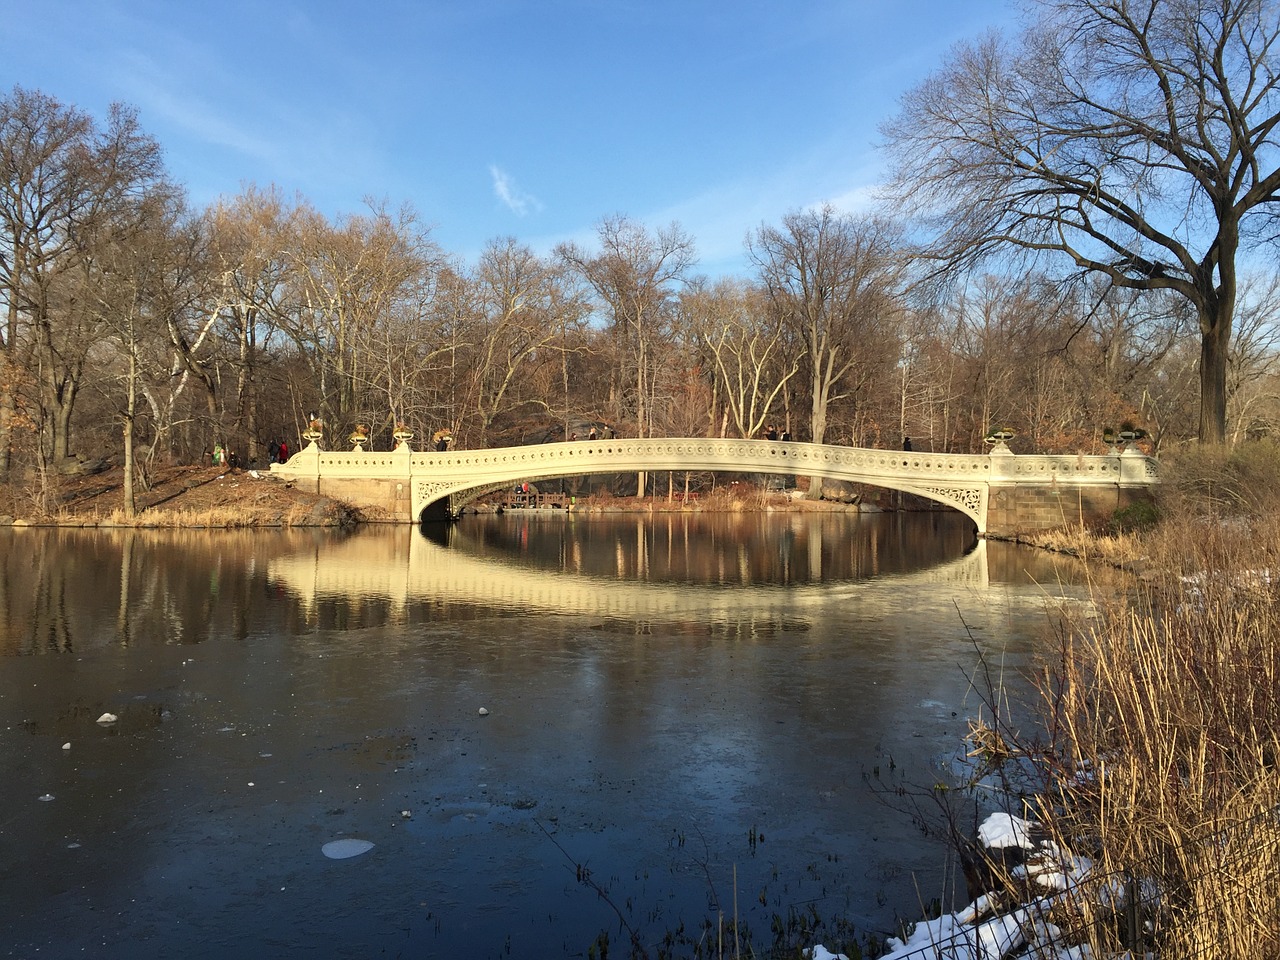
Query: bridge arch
[{"x": 464, "y": 476}]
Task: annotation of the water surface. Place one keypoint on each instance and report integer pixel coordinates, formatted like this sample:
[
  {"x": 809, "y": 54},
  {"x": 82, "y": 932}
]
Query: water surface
[{"x": 504, "y": 708}]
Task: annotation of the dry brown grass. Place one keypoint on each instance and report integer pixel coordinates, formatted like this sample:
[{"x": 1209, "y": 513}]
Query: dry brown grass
[
  {"x": 1160, "y": 750},
  {"x": 1116, "y": 549},
  {"x": 220, "y": 517},
  {"x": 1163, "y": 755}
]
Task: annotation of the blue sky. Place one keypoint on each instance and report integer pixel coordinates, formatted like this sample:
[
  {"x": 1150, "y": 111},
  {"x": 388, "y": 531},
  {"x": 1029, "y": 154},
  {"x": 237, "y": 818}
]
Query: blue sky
[{"x": 493, "y": 118}]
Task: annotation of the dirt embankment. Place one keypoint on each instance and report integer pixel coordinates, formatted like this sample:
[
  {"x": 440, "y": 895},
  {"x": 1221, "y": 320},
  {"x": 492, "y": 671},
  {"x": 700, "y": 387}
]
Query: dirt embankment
[{"x": 177, "y": 496}]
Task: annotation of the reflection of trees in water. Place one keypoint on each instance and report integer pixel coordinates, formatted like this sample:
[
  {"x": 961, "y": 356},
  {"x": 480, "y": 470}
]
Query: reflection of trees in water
[
  {"x": 725, "y": 548},
  {"x": 66, "y": 590},
  {"x": 74, "y": 590}
]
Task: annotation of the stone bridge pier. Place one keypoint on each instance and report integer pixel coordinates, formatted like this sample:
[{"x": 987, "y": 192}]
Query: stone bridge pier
[{"x": 1006, "y": 495}]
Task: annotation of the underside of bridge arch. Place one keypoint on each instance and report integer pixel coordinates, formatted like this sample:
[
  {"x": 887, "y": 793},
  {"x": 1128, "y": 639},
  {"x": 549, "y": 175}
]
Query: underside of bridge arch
[
  {"x": 437, "y": 511},
  {"x": 969, "y": 500}
]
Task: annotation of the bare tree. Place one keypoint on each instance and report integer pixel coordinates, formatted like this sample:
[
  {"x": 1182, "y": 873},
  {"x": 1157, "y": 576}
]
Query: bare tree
[
  {"x": 525, "y": 304},
  {"x": 1134, "y": 137},
  {"x": 140, "y": 283},
  {"x": 403, "y": 358},
  {"x": 1255, "y": 358},
  {"x": 347, "y": 280},
  {"x": 65, "y": 185},
  {"x": 831, "y": 278},
  {"x": 636, "y": 276},
  {"x": 252, "y": 236},
  {"x": 746, "y": 347}
]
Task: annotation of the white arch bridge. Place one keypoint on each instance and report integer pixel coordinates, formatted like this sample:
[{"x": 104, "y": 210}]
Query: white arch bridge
[{"x": 1003, "y": 493}]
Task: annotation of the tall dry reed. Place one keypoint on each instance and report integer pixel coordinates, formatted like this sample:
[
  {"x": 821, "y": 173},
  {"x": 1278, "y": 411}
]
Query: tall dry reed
[{"x": 1164, "y": 741}]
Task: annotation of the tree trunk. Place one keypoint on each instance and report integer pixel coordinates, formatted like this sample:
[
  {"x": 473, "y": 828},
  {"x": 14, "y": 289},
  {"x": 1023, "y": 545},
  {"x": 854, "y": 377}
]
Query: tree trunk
[
  {"x": 818, "y": 427},
  {"x": 8, "y": 405},
  {"x": 131, "y": 406},
  {"x": 60, "y": 442},
  {"x": 1215, "y": 341}
]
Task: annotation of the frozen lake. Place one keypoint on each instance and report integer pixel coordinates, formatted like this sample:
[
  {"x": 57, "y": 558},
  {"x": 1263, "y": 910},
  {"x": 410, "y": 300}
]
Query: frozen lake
[{"x": 503, "y": 709}]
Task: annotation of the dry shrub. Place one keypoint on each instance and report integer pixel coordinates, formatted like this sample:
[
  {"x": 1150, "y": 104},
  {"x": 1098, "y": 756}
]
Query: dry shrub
[
  {"x": 212, "y": 517},
  {"x": 1205, "y": 481},
  {"x": 725, "y": 497},
  {"x": 1117, "y": 549},
  {"x": 1165, "y": 724}
]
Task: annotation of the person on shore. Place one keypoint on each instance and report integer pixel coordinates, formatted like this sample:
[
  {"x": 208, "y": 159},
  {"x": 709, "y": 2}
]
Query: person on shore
[
  {"x": 284, "y": 451},
  {"x": 219, "y": 454}
]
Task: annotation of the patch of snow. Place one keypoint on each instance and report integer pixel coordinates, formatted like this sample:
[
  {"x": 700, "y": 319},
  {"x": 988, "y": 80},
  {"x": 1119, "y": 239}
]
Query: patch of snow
[{"x": 1002, "y": 830}]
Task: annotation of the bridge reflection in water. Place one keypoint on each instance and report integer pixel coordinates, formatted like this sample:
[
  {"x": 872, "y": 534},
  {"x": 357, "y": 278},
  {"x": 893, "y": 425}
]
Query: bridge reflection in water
[{"x": 637, "y": 568}]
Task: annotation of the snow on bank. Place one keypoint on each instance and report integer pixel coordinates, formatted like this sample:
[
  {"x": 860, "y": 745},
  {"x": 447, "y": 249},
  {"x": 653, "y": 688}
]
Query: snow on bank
[{"x": 978, "y": 932}]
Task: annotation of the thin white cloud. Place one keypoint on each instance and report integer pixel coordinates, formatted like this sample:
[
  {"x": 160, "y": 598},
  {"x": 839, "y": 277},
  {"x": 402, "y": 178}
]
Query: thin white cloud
[
  {"x": 864, "y": 198},
  {"x": 512, "y": 197},
  {"x": 162, "y": 96}
]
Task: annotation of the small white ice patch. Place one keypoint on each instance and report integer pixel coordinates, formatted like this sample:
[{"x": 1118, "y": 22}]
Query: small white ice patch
[{"x": 342, "y": 849}]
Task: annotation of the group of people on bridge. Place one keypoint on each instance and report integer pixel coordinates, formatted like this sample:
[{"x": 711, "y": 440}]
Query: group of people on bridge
[{"x": 603, "y": 433}]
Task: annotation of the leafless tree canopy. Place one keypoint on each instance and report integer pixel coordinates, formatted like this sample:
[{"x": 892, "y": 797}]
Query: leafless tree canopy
[{"x": 1135, "y": 137}]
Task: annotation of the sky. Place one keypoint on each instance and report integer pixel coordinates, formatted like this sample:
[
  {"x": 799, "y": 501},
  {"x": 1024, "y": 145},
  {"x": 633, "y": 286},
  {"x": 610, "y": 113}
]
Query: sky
[{"x": 532, "y": 119}]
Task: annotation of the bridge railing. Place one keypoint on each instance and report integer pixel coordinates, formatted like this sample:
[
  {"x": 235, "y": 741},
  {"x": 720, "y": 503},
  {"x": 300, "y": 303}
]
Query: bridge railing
[
  {"x": 1130, "y": 468},
  {"x": 999, "y": 466}
]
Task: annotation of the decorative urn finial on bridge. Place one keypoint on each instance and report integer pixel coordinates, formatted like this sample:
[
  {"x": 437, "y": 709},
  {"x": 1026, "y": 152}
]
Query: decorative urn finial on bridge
[
  {"x": 1118, "y": 441},
  {"x": 314, "y": 431},
  {"x": 402, "y": 436},
  {"x": 359, "y": 437},
  {"x": 998, "y": 439}
]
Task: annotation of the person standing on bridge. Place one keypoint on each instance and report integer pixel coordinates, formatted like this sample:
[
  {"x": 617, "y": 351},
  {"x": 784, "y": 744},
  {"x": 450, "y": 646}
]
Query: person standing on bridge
[{"x": 906, "y": 444}]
